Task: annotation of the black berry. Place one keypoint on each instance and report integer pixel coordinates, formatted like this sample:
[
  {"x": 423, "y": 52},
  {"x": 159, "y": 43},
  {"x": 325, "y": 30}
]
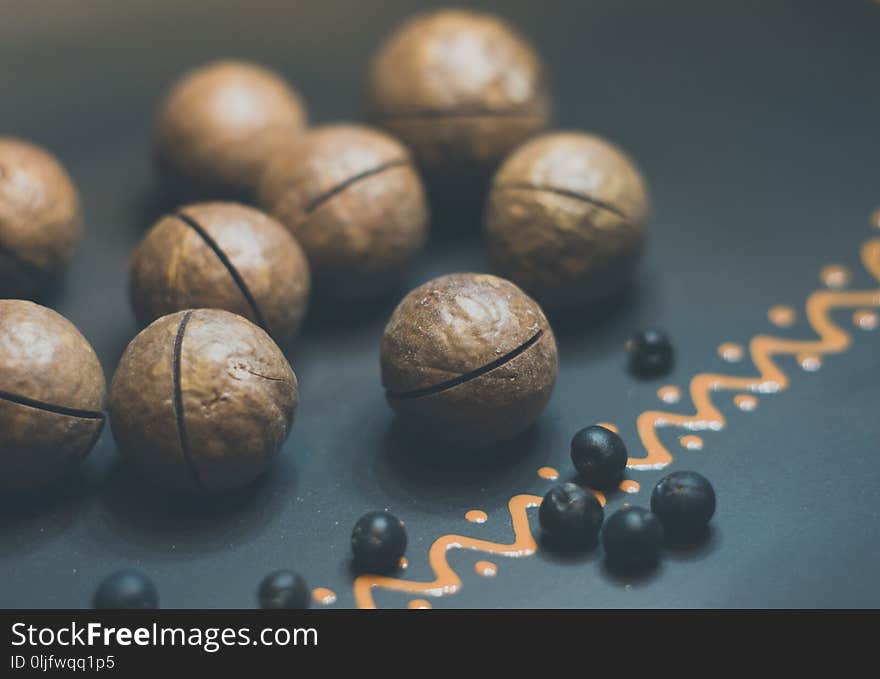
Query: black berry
[
  {"x": 632, "y": 538},
  {"x": 570, "y": 515},
  {"x": 377, "y": 542},
  {"x": 650, "y": 353},
  {"x": 684, "y": 502},
  {"x": 284, "y": 589},
  {"x": 599, "y": 455},
  {"x": 126, "y": 589}
]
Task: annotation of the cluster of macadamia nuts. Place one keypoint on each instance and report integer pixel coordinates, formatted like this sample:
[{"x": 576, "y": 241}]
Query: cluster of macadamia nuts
[{"x": 204, "y": 397}]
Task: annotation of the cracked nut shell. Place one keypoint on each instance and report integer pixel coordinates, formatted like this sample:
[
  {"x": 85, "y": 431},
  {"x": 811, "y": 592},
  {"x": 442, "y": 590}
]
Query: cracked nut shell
[
  {"x": 52, "y": 392},
  {"x": 222, "y": 256},
  {"x": 39, "y": 218},
  {"x": 219, "y": 124},
  {"x": 202, "y": 401},
  {"x": 460, "y": 88},
  {"x": 355, "y": 203},
  {"x": 566, "y": 219},
  {"x": 468, "y": 359}
]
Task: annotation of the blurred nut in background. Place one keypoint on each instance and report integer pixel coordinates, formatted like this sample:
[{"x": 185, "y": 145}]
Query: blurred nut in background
[
  {"x": 222, "y": 256},
  {"x": 460, "y": 88},
  {"x": 566, "y": 219},
  {"x": 468, "y": 360},
  {"x": 202, "y": 401},
  {"x": 39, "y": 218},
  {"x": 355, "y": 203},
  {"x": 52, "y": 393},
  {"x": 220, "y": 123}
]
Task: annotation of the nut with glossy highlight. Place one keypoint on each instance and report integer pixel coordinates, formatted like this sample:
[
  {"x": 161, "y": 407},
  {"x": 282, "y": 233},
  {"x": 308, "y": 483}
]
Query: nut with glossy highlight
[
  {"x": 460, "y": 88},
  {"x": 566, "y": 219},
  {"x": 52, "y": 393},
  {"x": 220, "y": 123},
  {"x": 222, "y": 256},
  {"x": 469, "y": 360},
  {"x": 355, "y": 203},
  {"x": 39, "y": 218},
  {"x": 202, "y": 401}
]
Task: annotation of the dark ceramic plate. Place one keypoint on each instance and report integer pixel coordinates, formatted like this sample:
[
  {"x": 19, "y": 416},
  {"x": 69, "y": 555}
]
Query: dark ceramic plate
[{"x": 758, "y": 128}]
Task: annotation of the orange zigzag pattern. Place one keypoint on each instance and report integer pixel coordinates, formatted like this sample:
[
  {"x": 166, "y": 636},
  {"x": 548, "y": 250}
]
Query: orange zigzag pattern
[
  {"x": 832, "y": 339},
  {"x": 446, "y": 580},
  {"x": 771, "y": 378}
]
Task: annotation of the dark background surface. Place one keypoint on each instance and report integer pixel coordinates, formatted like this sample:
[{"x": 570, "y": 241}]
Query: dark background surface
[{"x": 756, "y": 124}]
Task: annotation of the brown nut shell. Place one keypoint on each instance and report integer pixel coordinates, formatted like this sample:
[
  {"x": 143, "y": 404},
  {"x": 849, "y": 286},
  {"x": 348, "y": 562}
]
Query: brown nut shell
[
  {"x": 222, "y": 256},
  {"x": 468, "y": 359},
  {"x": 39, "y": 218},
  {"x": 202, "y": 401},
  {"x": 567, "y": 218},
  {"x": 220, "y": 123},
  {"x": 460, "y": 88},
  {"x": 351, "y": 197},
  {"x": 52, "y": 392}
]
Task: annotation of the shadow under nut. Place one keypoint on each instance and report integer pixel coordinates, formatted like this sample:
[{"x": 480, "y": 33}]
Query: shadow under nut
[
  {"x": 466, "y": 143},
  {"x": 486, "y": 407},
  {"x": 18, "y": 278},
  {"x": 202, "y": 401}
]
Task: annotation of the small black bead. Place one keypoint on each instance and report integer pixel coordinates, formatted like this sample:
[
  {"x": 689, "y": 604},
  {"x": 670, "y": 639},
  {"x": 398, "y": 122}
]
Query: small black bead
[
  {"x": 650, "y": 353},
  {"x": 284, "y": 589},
  {"x": 599, "y": 455},
  {"x": 377, "y": 542},
  {"x": 684, "y": 502},
  {"x": 126, "y": 589},
  {"x": 632, "y": 538},
  {"x": 570, "y": 516}
]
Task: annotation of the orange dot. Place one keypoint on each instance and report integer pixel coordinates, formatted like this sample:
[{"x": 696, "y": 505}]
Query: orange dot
[
  {"x": 782, "y": 316},
  {"x": 419, "y": 604},
  {"x": 608, "y": 426},
  {"x": 834, "y": 276},
  {"x": 629, "y": 486},
  {"x": 669, "y": 394},
  {"x": 866, "y": 319},
  {"x": 600, "y": 496},
  {"x": 324, "y": 596},
  {"x": 486, "y": 568},
  {"x": 731, "y": 352},
  {"x": 691, "y": 442},
  {"x": 745, "y": 402},
  {"x": 403, "y": 564},
  {"x": 476, "y": 516},
  {"x": 548, "y": 473}
]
